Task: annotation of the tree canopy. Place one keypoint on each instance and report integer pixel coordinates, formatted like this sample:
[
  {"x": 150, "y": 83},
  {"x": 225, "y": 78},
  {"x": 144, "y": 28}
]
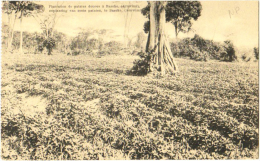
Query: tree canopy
[
  {"x": 25, "y": 7},
  {"x": 179, "y": 13}
]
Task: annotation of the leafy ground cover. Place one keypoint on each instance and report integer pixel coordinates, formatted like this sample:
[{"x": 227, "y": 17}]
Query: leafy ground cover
[{"x": 65, "y": 107}]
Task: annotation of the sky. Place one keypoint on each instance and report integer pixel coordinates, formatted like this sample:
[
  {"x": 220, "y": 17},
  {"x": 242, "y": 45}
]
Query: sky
[{"x": 219, "y": 21}]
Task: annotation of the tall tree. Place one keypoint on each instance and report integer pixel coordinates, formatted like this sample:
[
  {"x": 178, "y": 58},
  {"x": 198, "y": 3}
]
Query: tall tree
[
  {"x": 11, "y": 10},
  {"x": 157, "y": 43},
  {"x": 47, "y": 23},
  {"x": 25, "y": 8},
  {"x": 179, "y": 13}
]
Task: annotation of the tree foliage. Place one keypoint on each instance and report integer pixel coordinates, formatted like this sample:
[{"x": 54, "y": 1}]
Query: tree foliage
[
  {"x": 49, "y": 43},
  {"x": 94, "y": 42},
  {"x": 179, "y": 13},
  {"x": 199, "y": 42},
  {"x": 25, "y": 8},
  {"x": 230, "y": 53},
  {"x": 200, "y": 49},
  {"x": 146, "y": 26}
]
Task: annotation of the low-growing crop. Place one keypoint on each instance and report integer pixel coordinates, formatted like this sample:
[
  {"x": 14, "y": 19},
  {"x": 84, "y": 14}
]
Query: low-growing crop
[{"x": 93, "y": 109}]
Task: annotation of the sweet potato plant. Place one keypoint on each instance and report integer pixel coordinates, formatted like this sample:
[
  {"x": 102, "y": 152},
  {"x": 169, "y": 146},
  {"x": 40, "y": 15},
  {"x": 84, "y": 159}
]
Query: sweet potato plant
[{"x": 75, "y": 108}]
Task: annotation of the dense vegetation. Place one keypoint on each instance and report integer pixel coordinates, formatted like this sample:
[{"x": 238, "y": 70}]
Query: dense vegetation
[
  {"x": 56, "y": 107},
  {"x": 196, "y": 48},
  {"x": 179, "y": 13},
  {"x": 82, "y": 44},
  {"x": 200, "y": 49}
]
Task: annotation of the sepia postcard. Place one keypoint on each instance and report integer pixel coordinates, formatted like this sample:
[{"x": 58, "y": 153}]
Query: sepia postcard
[{"x": 129, "y": 80}]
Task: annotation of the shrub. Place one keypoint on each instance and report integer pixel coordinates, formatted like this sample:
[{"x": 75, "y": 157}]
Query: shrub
[
  {"x": 39, "y": 43},
  {"x": 195, "y": 54},
  {"x": 230, "y": 53},
  {"x": 181, "y": 48},
  {"x": 113, "y": 46},
  {"x": 142, "y": 66},
  {"x": 200, "y": 42},
  {"x": 201, "y": 49},
  {"x": 40, "y": 48},
  {"x": 74, "y": 52},
  {"x": 245, "y": 57},
  {"x": 185, "y": 48},
  {"x": 256, "y": 52},
  {"x": 49, "y": 43},
  {"x": 214, "y": 50},
  {"x": 93, "y": 44},
  {"x": 102, "y": 53}
]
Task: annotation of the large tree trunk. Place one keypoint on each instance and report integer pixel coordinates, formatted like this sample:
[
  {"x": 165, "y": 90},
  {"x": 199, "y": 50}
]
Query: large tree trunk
[
  {"x": 21, "y": 33},
  {"x": 152, "y": 31},
  {"x": 161, "y": 35},
  {"x": 158, "y": 43}
]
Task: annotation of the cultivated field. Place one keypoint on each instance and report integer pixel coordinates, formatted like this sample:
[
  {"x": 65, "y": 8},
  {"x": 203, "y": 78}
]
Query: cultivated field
[{"x": 78, "y": 107}]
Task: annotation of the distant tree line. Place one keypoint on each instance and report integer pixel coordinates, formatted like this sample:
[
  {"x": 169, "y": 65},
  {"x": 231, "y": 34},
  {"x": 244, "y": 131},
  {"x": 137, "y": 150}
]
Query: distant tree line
[
  {"x": 18, "y": 10},
  {"x": 34, "y": 42},
  {"x": 87, "y": 42},
  {"x": 91, "y": 42}
]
